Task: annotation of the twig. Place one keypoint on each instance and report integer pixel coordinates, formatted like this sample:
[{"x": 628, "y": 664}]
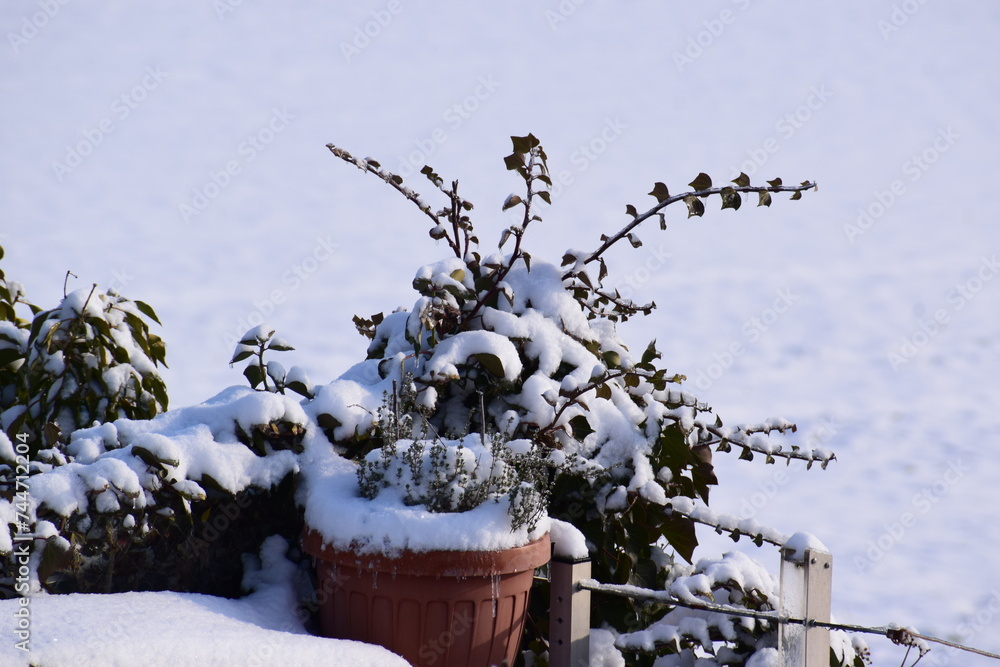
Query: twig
[{"x": 639, "y": 219}]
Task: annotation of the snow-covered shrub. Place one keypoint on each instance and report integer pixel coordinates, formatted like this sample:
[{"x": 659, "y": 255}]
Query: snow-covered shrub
[
  {"x": 114, "y": 500},
  {"x": 252, "y": 346},
  {"x": 536, "y": 344},
  {"x": 91, "y": 359}
]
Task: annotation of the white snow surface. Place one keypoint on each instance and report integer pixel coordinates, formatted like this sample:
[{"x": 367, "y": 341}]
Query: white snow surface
[
  {"x": 793, "y": 311},
  {"x": 262, "y": 628}
]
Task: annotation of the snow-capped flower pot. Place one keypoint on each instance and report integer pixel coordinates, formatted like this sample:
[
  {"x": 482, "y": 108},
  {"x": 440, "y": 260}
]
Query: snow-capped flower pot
[
  {"x": 428, "y": 546},
  {"x": 442, "y": 608}
]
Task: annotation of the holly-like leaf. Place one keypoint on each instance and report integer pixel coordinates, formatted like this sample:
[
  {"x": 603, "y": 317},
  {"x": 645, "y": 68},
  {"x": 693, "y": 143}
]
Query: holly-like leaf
[
  {"x": 629, "y": 209},
  {"x": 695, "y": 206},
  {"x": 701, "y": 182},
  {"x": 514, "y": 161},
  {"x": 796, "y": 195},
  {"x": 776, "y": 183},
  {"x": 524, "y": 144},
  {"x": 581, "y": 427},
  {"x": 742, "y": 180},
  {"x": 660, "y": 192},
  {"x": 679, "y": 531},
  {"x": 731, "y": 199}
]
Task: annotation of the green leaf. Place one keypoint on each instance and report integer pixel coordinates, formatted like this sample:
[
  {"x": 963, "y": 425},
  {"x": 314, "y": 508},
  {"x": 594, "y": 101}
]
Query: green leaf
[
  {"x": 680, "y": 534},
  {"x": 240, "y": 356},
  {"x": 701, "y": 182},
  {"x": 796, "y": 195},
  {"x": 8, "y": 356},
  {"x": 120, "y": 354},
  {"x": 299, "y": 388},
  {"x": 568, "y": 258},
  {"x": 611, "y": 359},
  {"x": 695, "y": 206},
  {"x": 491, "y": 363},
  {"x": 514, "y": 161},
  {"x": 254, "y": 374},
  {"x": 327, "y": 421},
  {"x": 148, "y": 311},
  {"x": 581, "y": 427},
  {"x": 776, "y": 183},
  {"x": 650, "y": 354},
  {"x": 634, "y": 240},
  {"x": 731, "y": 199},
  {"x": 629, "y": 209},
  {"x": 742, "y": 180},
  {"x": 544, "y": 196},
  {"x": 660, "y": 192},
  {"x": 511, "y": 202},
  {"x": 765, "y": 198},
  {"x": 524, "y": 144},
  {"x": 603, "y": 391}
]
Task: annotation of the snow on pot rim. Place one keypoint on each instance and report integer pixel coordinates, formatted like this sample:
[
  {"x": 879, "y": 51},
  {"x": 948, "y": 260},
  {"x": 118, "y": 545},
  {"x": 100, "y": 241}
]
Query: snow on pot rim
[{"x": 335, "y": 510}]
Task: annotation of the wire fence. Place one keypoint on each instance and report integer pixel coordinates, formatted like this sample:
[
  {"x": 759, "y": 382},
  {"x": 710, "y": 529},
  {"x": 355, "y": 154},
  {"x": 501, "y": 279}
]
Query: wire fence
[
  {"x": 806, "y": 603},
  {"x": 901, "y": 636}
]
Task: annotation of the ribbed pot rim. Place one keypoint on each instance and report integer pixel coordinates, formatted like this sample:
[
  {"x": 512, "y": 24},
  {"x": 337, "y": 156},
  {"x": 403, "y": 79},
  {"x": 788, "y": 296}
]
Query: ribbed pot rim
[{"x": 434, "y": 563}]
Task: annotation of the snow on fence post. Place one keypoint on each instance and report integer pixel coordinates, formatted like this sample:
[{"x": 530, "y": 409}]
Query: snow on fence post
[
  {"x": 569, "y": 613},
  {"x": 806, "y": 582}
]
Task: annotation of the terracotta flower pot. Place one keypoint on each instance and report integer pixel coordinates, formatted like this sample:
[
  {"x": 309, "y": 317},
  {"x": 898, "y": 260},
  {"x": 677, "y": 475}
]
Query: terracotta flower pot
[{"x": 440, "y": 608}]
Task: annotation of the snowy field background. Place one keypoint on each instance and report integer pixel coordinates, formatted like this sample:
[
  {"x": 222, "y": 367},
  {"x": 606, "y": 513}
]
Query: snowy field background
[{"x": 176, "y": 151}]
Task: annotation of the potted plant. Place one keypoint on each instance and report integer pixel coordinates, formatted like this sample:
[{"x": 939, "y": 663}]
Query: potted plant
[
  {"x": 436, "y": 540},
  {"x": 504, "y": 402}
]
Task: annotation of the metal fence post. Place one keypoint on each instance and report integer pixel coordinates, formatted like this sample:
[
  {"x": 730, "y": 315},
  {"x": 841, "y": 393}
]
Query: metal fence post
[
  {"x": 806, "y": 582},
  {"x": 569, "y": 614}
]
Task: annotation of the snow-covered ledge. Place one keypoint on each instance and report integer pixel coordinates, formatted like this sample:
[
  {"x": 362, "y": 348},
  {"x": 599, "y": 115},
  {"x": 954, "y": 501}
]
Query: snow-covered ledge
[{"x": 263, "y": 628}]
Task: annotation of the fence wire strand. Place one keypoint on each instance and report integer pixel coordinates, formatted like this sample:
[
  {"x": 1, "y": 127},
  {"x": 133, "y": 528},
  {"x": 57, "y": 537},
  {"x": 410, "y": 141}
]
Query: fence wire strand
[{"x": 897, "y": 635}]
